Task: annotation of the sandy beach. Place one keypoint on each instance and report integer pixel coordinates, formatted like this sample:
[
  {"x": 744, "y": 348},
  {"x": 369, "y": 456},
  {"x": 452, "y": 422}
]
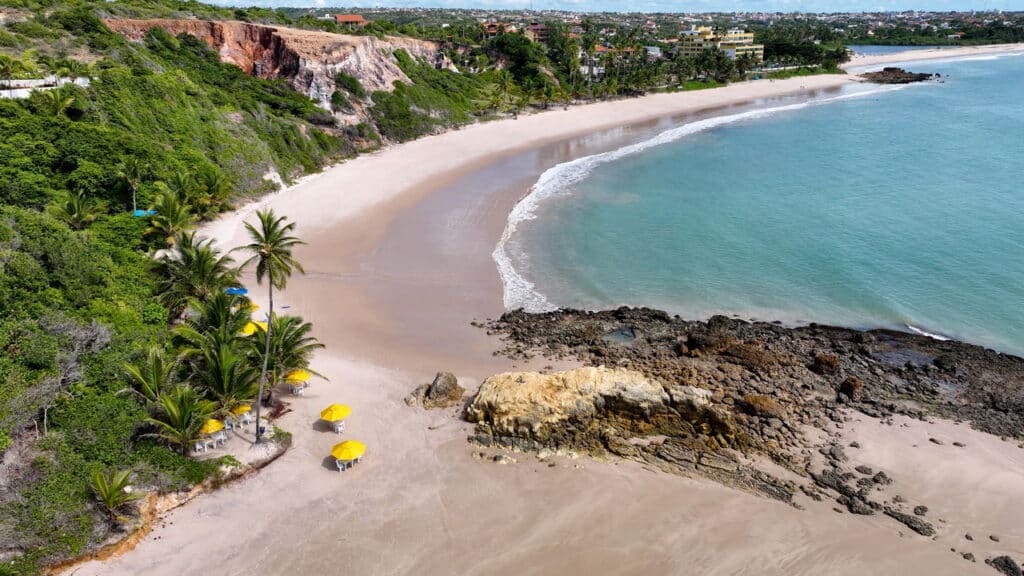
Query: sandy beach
[{"x": 398, "y": 264}]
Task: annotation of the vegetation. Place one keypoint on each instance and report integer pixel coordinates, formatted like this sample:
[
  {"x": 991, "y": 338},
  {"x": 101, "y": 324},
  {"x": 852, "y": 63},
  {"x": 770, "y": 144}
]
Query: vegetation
[{"x": 97, "y": 387}]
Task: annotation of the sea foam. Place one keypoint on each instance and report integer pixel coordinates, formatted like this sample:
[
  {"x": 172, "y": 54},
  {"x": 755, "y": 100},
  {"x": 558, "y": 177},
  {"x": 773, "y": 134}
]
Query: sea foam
[{"x": 518, "y": 291}]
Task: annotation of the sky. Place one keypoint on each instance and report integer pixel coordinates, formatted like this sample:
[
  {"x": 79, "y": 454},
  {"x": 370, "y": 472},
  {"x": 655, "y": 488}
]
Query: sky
[{"x": 661, "y": 5}]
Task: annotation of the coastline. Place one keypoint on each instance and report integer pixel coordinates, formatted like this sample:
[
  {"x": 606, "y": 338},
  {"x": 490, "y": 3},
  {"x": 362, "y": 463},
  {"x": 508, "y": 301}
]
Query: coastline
[{"x": 420, "y": 490}]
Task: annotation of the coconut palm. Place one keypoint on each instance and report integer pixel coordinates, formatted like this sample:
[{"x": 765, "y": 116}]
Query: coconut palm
[
  {"x": 194, "y": 271},
  {"x": 271, "y": 249},
  {"x": 217, "y": 190},
  {"x": 179, "y": 414},
  {"x": 152, "y": 376},
  {"x": 112, "y": 490},
  {"x": 132, "y": 171},
  {"x": 76, "y": 209},
  {"x": 9, "y": 66},
  {"x": 56, "y": 101},
  {"x": 171, "y": 219},
  {"x": 292, "y": 345},
  {"x": 227, "y": 376}
]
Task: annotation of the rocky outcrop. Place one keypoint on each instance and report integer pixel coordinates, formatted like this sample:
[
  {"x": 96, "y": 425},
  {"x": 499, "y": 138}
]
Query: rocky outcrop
[
  {"x": 443, "y": 392},
  {"x": 617, "y": 411},
  {"x": 308, "y": 59},
  {"x": 892, "y": 75}
]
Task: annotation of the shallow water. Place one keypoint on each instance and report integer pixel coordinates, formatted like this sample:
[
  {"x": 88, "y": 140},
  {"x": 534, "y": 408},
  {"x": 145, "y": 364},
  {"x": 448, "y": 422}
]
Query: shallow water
[{"x": 885, "y": 207}]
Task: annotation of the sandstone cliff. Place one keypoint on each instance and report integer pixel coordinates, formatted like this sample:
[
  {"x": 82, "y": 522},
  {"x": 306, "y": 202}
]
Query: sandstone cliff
[{"x": 308, "y": 59}]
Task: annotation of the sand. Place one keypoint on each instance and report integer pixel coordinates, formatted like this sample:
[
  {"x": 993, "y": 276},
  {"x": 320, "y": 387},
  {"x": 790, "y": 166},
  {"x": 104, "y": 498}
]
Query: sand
[{"x": 399, "y": 264}]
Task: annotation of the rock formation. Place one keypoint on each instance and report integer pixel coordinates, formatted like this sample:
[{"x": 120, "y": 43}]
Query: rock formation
[
  {"x": 308, "y": 59},
  {"x": 443, "y": 392},
  {"x": 892, "y": 75}
]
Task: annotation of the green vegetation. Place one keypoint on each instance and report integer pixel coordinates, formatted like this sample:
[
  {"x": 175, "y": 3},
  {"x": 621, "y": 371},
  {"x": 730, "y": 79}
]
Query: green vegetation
[
  {"x": 802, "y": 71},
  {"x": 97, "y": 391}
]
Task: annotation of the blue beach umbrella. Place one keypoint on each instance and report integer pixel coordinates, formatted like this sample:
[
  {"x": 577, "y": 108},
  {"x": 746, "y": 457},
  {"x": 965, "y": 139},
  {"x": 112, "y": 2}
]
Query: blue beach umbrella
[
  {"x": 236, "y": 291},
  {"x": 141, "y": 213}
]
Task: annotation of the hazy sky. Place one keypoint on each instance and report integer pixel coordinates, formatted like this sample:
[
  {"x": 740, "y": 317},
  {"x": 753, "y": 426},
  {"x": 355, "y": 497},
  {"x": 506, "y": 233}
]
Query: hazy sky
[{"x": 664, "y": 5}]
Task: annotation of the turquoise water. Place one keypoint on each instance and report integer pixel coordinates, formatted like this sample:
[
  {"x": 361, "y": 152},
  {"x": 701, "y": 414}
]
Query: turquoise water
[
  {"x": 896, "y": 208},
  {"x": 874, "y": 50}
]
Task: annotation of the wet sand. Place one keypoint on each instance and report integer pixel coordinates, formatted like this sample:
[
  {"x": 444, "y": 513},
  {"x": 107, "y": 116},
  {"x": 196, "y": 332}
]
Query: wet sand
[{"x": 399, "y": 265}]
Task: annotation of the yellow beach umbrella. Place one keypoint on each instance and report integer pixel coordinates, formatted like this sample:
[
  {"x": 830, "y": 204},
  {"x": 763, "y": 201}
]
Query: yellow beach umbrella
[
  {"x": 335, "y": 412},
  {"x": 239, "y": 410},
  {"x": 211, "y": 426},
  {"x": 348, "y": 450},
  {"x": 250, "y": 328},
  {"x": 297, "y": 376}
]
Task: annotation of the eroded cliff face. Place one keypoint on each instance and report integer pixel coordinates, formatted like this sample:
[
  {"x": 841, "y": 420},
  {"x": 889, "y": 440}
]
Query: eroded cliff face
[{"x": 308, "y": 59}]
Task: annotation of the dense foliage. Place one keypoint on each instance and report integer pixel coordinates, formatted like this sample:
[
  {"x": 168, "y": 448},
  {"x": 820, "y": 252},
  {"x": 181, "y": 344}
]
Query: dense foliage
[{"x": 84, "y": 310}]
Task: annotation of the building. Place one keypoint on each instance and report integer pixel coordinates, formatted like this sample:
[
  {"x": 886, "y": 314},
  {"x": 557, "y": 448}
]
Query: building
[
  {"x": 536, "y": 32},
  {"x": 493, "y": 29},
  {"x": 351, "y": 20},
  {"x": 733, "y": 42}
]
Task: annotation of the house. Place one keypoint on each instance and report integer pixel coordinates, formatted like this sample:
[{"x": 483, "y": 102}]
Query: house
[
  {"x": 351, "y": 20},
  {"x": 493, "y": 29},
  {"x": 536, "y": 32}
]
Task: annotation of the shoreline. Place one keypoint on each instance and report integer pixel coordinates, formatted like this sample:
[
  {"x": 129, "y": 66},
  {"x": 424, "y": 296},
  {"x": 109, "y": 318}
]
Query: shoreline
[{"x": 381, "y": 310}]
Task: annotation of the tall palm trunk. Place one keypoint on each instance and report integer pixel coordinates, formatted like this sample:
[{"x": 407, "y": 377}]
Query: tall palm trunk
[{"x": 266, "y": 358}]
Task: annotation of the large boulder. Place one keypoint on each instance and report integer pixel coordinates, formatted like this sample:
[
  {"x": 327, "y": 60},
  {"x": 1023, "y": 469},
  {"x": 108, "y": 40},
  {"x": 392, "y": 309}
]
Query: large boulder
[
  {"x": 443, "y": 392},
  {"x": 546, "y": 407}
]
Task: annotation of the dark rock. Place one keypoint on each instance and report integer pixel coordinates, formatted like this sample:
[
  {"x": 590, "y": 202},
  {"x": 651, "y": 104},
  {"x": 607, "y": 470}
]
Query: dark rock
[
  {"x": 993, "y": 538},
  {"x": 913, "y": 522},
  {"x": 893, "y": 75},
  {"x": 969, "y": 537},
  {"x": 882, "y": 478},
  {"x": 920, "y": 510},
  {"x": 936, "y": 441},
  {"x": 1005, "y": 565},
  {"x": 443, "y": 392},
  {"x": 825, "y": 364},
  {"x": 968, "y": 556},
  {"x": 854, "y": 444},
  {"x": 851, "y": 387},
  {"x": 959, "y": 444},
  {"x": 866, "y": 470}
]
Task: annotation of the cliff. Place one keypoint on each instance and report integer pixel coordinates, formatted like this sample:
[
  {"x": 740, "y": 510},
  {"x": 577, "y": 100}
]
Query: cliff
[{"x": 308, "y": 59}]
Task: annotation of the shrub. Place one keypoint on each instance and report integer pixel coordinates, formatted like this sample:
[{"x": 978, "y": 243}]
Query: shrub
[{"x": 350, "y": 84}]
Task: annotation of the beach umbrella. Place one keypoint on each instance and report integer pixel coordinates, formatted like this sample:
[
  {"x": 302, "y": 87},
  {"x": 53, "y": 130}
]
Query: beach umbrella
[
  {"x": 211, "y": 426},
  {"x": 239, "y": 410},
  {"x": 250, "y": 328},
  {"x": 335, "y": 412},
  {"x": 348, "y": 450},
  {"x": 297, "y": 376},
  {"x": 236, "y": 291},
  {"x": 141, "y": 213}
]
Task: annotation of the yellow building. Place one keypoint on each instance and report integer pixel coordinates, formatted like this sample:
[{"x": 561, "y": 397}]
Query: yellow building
[{"x": 734, "y": 42}]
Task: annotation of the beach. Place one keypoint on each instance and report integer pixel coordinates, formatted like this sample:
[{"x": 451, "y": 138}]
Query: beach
[{"x": 398, "y": 265}]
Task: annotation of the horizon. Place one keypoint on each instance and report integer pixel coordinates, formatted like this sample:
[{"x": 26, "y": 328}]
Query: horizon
[{"x": 654, "y": 6}]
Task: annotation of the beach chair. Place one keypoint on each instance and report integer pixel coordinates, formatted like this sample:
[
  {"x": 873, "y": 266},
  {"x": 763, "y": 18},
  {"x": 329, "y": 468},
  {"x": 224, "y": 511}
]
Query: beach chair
[
  {"x": 220, "y": 438},
  {"x": 246, "y": 418},
  {"x": 338, "y": 426},
  {"x": 199, "y": 447},
  {"x": 298, "y": 389},
  {"x": 342, "y": 465},
  {"x": 210, "y": 443}
]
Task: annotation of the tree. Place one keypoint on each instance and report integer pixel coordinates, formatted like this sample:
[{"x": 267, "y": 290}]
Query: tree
[
  {"x": 76, "y": 209},
  {"x": 9, "y": 66},
  {"x": 292, "y": 345},
  {"x": 112, "y": 490},
  {"x": 55, "y": 102},
  {"x": 193, "y": 271},
  {"x": 132, "y": 171},
  {"x": 271, "y": 249},
  {"x": 179, "y": 414},
  {"x": 171, "y": 219},
  {"x": 151, "y": 377},
  {"x": 227, "y": 376}
]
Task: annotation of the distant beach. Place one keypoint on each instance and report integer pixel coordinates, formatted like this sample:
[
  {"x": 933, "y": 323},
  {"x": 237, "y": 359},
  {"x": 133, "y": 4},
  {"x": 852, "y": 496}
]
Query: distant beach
[{"x": 398, "y": 265}]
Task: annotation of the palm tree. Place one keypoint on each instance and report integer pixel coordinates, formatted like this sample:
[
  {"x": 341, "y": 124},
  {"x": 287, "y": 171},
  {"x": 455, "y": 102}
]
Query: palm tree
[
  {"x": 132, "y": 171},
  {"x": 76, "y": 209},
  {"x": 180, "y": 413},
  {"x": 221, "y": 313},
  {"x": 292, "y": 345},
  {"x": 217, "y": 190},
  {"x": 56, "y": 101},
  {"x": 9, "y": 66},
  {"x": 271, "y": 249},
  {"x": 171, "y": 219},
  {"x": 151, "y": 377},
  {"x": 112, "y": 490},
  {"x": 227, "y": 376},
  {"x": 194, "y": 271}
]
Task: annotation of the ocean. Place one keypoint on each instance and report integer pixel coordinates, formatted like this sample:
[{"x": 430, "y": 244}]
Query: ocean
[{"x": 898, "y": 207}]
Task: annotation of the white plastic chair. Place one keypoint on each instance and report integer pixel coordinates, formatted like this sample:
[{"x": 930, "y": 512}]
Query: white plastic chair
[{"x": 338, "y": 426}]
